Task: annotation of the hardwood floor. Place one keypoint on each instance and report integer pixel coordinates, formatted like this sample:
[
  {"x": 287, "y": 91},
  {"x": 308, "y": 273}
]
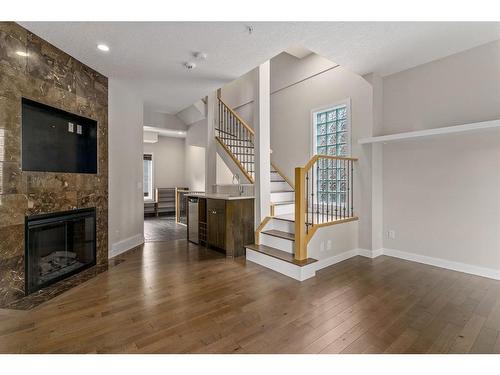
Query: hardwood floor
[
  {"x": 174, "y": 297},
  {"x": 163, "y": 228}
]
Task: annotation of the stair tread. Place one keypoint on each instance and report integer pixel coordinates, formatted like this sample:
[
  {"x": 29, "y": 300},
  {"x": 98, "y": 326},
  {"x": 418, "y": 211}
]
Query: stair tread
[
  {"x": 280, "y": 234},
  {"x": 286, "y": 217},
  {"x": 280, "y": 254},
  {"x": 282, "y": 203}
]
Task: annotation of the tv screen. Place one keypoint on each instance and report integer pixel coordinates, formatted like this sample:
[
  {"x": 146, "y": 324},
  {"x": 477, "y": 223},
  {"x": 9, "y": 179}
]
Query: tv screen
[{"x": 57, "y": 141}]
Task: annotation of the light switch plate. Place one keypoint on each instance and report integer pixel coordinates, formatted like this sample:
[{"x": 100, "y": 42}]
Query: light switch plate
[
  {"x": 78, "y": 129},
  {"x": 71, "y": 127}
]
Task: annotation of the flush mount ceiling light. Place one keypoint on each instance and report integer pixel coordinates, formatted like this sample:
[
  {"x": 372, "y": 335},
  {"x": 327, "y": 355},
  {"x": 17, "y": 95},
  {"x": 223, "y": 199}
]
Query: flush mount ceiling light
[
  {"x": 22, "y": 53},
  {"x": 103, "y": 47}
]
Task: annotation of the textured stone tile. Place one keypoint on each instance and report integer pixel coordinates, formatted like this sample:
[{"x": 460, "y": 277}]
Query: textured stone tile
[
  {"x": 10, "y": 130},
  {"x": 13, "y": 208},
  {"x": 12, "y": 281},
  {"x": 50, "y": 64},
  {"x": 9, "y": 46},
  {"x": 11, "y": 83},
  {"x": 46, "y": 182},
  {"x": 12, "y": 241},
  {"x": 14, "y": 30},
  {"x": 10, "y": 113},
  {"x": 51, "y": 201},
  {"x": 11, "y": 178}
]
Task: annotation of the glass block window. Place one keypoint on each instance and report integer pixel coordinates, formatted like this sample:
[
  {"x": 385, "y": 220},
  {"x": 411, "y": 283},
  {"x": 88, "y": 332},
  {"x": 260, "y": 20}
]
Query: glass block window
[{"x": 332, "y": 135}]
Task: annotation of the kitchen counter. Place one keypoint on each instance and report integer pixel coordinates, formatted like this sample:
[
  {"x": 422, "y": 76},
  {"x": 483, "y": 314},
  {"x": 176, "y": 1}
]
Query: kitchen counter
[
  {"x": 223, "y": 222},
  {"x": 226, "y": 197}
]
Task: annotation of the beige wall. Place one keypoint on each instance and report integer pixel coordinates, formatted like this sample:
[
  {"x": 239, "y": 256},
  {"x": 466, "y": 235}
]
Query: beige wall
[
  {"x": 126, "y": 202},
  {"x": 441, "y": 196},
  {"x": 168, "y": 162}
]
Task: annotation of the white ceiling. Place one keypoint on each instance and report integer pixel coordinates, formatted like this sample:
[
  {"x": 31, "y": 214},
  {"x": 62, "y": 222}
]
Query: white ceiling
[{"x": 149, "y": 56}]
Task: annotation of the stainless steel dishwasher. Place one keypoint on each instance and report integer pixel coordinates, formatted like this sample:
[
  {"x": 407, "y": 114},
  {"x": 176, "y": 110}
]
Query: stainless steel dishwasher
[{"x": 193, "y": 225}]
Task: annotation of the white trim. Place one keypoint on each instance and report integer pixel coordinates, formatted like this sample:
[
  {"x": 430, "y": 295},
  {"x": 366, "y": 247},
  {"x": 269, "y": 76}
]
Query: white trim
[
  {"x": 465, "y": 128},
  {"x": 327, "y": 262},
  {"x": 443, "y": 263},
  {"x": 293, "y": 271},
  {"x": 280, "y": 266},
  {"x": 370, "y": 253},
  {"x": 124, "y": 245}
]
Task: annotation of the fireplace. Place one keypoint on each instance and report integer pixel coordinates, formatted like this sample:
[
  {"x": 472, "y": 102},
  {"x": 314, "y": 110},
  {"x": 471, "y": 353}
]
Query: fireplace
[{"x": 58, "y": 245}]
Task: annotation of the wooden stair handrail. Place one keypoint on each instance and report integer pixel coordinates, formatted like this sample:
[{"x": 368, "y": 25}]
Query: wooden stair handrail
[
  {"x": 302, "y": 235},
  {"x": 251, "y": 131},
  {"x": 315, "y": 158}
]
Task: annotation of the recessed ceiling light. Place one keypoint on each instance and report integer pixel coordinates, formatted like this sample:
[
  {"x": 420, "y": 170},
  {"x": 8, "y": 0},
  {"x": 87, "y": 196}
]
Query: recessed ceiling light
[
  {"x": 103, "y": 47},
  {"x": 22, "y": 53}
]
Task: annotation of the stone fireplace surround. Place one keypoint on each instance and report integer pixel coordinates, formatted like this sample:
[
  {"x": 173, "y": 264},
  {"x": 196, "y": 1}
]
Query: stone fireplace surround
[{"x": 52, "y": 77}]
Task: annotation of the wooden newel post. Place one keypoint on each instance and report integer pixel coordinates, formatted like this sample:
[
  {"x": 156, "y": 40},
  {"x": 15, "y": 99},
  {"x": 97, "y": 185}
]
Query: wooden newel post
[{"x": 300, "y": 214}]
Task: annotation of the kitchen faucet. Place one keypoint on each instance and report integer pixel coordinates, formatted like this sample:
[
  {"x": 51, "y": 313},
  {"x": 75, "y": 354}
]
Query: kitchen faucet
[{"x": 240, "y": 187}]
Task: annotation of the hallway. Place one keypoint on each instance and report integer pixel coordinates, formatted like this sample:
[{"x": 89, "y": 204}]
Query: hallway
[{"x": 163, "y": 228}]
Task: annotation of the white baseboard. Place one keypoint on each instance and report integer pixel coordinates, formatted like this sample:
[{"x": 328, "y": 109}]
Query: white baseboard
[
  {"x": 323, "y": 263},
  {"x": 327, "y": 262},
  {"x": 443, "y": 263},
  {"x": 124, "y": 245},
  {"x": 370, "y": 253},
  {"x": 285, "y": 268},
  {"x": 431, "y": 261}
]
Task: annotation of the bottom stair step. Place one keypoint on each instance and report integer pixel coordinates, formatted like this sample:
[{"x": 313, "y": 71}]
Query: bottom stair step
[{"x": 280, "y": 254}]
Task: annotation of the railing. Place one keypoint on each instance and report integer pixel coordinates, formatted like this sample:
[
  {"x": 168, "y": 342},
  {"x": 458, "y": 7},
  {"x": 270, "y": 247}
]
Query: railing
[
  {"x": 237, "y": 138},
  {"x": 324, "y": 195},
  {"x": 181, "y": 204}
]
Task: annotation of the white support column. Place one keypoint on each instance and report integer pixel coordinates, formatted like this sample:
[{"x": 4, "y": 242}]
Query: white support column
[
  {"x": 211, "y": 150},
  {"x": 375, "y": 151},
  {"x": 262, "y": 123}
]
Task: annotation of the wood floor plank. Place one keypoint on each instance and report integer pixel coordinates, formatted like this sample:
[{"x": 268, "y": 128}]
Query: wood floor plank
[{"x": 177, "y": 297}]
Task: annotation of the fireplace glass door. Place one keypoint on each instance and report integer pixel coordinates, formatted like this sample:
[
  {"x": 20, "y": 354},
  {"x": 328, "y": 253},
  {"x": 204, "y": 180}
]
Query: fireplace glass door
[{"x": 58, "y": 245}]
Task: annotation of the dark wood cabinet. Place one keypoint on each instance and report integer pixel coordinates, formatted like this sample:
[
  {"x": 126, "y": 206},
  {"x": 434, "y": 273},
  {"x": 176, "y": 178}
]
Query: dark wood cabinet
[
  {"x": 227, "y": 225},
  {"x": 216, "y": 223}
]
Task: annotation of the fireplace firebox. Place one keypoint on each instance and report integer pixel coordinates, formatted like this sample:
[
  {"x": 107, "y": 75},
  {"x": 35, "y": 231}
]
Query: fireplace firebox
[{"x": 58, "y": 245}]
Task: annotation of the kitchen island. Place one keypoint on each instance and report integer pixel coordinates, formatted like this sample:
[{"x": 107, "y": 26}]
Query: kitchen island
[{"x": 225, "y": 222}]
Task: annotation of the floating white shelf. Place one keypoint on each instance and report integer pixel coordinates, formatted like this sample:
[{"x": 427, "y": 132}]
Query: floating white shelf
[{"x": 466, "y": 128}]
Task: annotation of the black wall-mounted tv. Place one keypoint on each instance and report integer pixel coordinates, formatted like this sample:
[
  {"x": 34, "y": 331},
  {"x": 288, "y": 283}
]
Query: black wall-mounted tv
[{"x": 57, "y": 141}]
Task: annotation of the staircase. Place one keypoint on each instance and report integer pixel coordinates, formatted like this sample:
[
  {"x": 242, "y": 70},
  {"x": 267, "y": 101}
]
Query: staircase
[
  {"x": 296, "y": 213},
  {"x": 237, "y": 140}
]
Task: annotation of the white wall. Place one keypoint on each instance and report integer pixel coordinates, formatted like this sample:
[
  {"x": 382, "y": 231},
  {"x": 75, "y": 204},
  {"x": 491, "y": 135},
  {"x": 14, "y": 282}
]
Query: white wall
[
  {"x": 441, "y": 196},
  {"x": 195, "y": 156},
  {"x": 162, "y": 120},
  {"x": 126, "y": 207},
  {"x": 169, "y": 164}
]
